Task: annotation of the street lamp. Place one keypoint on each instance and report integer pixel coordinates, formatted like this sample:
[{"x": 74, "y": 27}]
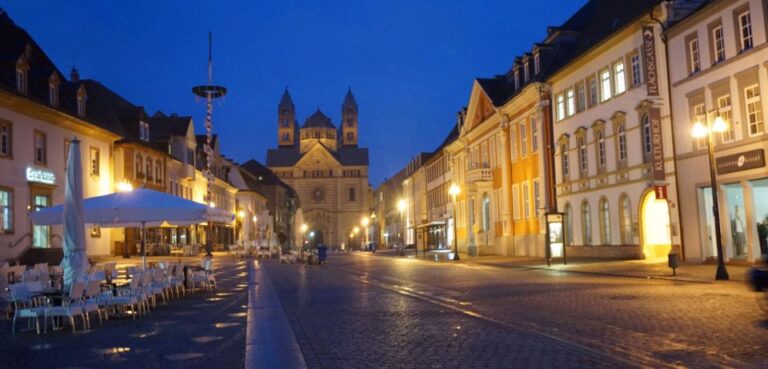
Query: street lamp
[
  {"x": 365, "y": 222},
  {"x": 401, "y": 205},
  {"x": 454, "y": 191},
  {"x": 701, "y": 130},
  {"x": 304, "y": 228}
]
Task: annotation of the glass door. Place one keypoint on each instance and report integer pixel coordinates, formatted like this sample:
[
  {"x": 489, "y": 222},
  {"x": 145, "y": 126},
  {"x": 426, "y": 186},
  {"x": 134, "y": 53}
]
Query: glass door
[
  {"x": 41, "y": 235},
  {"x": 737, "y": 236},
  {"x": 760, "y": 206}
]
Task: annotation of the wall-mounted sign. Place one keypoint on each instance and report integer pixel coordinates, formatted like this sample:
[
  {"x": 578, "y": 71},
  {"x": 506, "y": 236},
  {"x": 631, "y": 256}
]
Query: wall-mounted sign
[
  {"x": 742, "y": 161},
  {"x": 657, "y": 145},
  {"x": 40, "y": 176},
  {"x": 649, "y": 51},
  {"x": 660, "y": 191}
]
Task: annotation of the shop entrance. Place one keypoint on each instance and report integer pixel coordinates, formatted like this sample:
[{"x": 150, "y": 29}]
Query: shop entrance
[{"x": 654, "y": 223}]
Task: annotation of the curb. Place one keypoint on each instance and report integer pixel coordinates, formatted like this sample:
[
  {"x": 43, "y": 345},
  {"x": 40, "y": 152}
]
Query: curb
[{"x": 270, "y": 342}]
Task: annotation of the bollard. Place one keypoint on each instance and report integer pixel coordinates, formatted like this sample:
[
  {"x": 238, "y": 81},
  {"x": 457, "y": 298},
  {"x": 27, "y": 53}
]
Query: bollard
[{"x": 673, "y": 262}]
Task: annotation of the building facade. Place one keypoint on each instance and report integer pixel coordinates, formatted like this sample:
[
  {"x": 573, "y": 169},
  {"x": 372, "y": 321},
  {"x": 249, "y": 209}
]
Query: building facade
[
  {"x": 722, "y": 72},
  {"x": 326, "y": 168}
]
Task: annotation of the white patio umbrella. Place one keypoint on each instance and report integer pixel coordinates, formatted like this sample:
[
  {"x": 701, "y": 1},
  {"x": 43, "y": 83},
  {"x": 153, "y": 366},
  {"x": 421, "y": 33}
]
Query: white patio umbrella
[
  {"x": 138, "y": 208},
  {"x": 74, "y": 264}
]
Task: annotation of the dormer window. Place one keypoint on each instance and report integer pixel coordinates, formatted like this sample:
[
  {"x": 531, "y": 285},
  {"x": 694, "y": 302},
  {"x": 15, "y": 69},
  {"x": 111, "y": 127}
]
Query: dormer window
[
  {"x": 517, "y": 79},
  {"x": 536, "y": 64},
  {"x": 21, "y": 80},
  {"x": 526, "y": 70},
  {"x": 144, "y": 131},
  {"x": 53, "y": 95}
]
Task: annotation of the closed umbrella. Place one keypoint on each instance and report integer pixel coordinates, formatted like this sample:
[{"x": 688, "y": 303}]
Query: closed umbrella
[{"x": 74, "y": 264}]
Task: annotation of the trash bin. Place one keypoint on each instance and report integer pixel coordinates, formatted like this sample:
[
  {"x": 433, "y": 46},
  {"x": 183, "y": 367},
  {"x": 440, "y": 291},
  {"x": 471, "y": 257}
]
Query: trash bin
[{"x": 322, "y": 254}]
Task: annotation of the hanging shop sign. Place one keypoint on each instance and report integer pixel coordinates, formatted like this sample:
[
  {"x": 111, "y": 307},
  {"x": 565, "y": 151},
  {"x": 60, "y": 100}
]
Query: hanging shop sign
[
  {"x": 41, "y": 176},
  {"x": 742, "y": 161},
  {"x": 660, "y": 191},
  {"x": 657, "y": 145}
]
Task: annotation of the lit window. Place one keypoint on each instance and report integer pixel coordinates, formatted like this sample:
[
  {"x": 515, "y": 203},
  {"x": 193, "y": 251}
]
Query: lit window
[
  {"x": 754, "y": 110},
  {"x": 718, "y": 44},
  {"x": 693, "y": 55},
  {"x": 637, "y": 76},
  {"x": 605, "y": 85},
  {"x": 699, "y": 116},
  {"x": 619, "y": 78},
  {"x": 570, "y": 99},
  {"x": 560, "y": 107},
  {"x": 724, "y": 107},
  {"x": 745, "y": 31},
  {"x": 6, "y": 211}
]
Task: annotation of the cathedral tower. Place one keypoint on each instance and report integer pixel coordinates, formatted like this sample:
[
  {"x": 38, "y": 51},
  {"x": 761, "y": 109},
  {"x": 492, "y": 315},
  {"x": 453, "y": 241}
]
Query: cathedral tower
[
  {"x": 286, "y": 121},
  {"x": 349, "y": 120}
]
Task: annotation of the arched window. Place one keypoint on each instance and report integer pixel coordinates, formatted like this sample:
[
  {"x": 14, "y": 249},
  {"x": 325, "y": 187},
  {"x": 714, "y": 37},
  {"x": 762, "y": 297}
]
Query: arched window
[
  {"x": 286, "y": 137},
  {"x": 605, "y": 222},
  {"x": 600, "y": 138},
  {"x": 586, "y": 224},
  {"x": 568, "y": 219},
  {"x": 622, "y": 142},
  {"x": 583, "y": 155},
  {"x": 646, "y": 129},
  {"x": 486, "y": 213},
  {"x": 351, "y": 194},
  {"x": 625, "y": 218},
  {"x": 564, "y": 160}
]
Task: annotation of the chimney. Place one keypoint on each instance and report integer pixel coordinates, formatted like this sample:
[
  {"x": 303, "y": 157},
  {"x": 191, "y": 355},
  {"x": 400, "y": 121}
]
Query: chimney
[{"x": 74, "y": 75}]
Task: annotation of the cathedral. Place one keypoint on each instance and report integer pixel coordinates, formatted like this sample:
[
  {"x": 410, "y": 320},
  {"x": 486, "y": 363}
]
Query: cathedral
[{"x": 325, "y": 166}]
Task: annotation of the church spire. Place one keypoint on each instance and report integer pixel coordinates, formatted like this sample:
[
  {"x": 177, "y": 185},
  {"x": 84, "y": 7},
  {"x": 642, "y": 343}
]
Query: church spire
[
  {"x": 349, "y": 101},
  {"x": 286, "y": 102}
]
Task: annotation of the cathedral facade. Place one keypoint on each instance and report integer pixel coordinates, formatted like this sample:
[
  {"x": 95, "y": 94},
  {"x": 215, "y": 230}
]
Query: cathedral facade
[{"x": 325, "y": 166}]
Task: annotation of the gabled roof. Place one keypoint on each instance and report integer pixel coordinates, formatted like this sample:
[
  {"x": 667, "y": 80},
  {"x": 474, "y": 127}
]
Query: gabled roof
[
  {"x": 318, "y": 120},
  {"x": 261, "y": 175},
  {"x": 163, "y": 127},
  {"x": 288, "y": 157}
]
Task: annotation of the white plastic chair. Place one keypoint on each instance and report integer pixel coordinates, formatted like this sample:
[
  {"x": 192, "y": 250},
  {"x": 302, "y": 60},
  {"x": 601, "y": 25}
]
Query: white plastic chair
[
  {"x": 127, "y": 297},
  {"x": 23, "y": 304},
  {"x": 70, "y": 308},
  {"x": 91, "y": 299}
]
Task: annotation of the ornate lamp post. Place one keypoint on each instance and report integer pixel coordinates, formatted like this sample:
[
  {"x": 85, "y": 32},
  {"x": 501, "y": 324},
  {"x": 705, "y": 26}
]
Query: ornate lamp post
[
  {"x": 701, "y": 130},
  {"x": 454, "y": 191},
  {"x": 209, "y": 92}
]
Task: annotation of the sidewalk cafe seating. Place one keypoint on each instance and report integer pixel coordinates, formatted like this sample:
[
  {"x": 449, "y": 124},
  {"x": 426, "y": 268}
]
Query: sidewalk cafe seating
[
  {"x": 91, "y": 300},
  {"x": 177, "y": 279},
  {"x": 127, "y": 297},
  {"x": 24, "y": 306},
  {"x": 286, "y": 257},
  {"x": 204, "y": 276},
  {"x": 70, "y": 307}
]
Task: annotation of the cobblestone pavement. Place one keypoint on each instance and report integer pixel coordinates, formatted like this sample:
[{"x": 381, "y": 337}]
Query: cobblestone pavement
[
  {"x": 368, "y": 311},
  {"x": 200, "y": 330}
]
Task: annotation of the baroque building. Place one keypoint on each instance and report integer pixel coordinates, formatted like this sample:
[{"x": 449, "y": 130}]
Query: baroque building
[{"x": 325, "y": 166}]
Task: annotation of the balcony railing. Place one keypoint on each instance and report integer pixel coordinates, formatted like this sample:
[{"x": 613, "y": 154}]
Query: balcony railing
[{"x": 479, "y": 175}]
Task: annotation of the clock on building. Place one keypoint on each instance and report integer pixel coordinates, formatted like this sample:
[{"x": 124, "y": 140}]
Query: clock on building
[{"x": 318, "y": 194}]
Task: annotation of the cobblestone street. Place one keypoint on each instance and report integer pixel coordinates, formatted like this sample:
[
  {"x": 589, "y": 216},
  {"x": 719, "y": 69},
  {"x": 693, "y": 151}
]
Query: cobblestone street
[{"x": 370, "y": 311}]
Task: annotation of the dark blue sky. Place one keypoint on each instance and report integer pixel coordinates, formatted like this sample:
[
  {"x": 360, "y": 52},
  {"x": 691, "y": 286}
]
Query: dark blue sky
[{"x": 410, "y": 63}]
